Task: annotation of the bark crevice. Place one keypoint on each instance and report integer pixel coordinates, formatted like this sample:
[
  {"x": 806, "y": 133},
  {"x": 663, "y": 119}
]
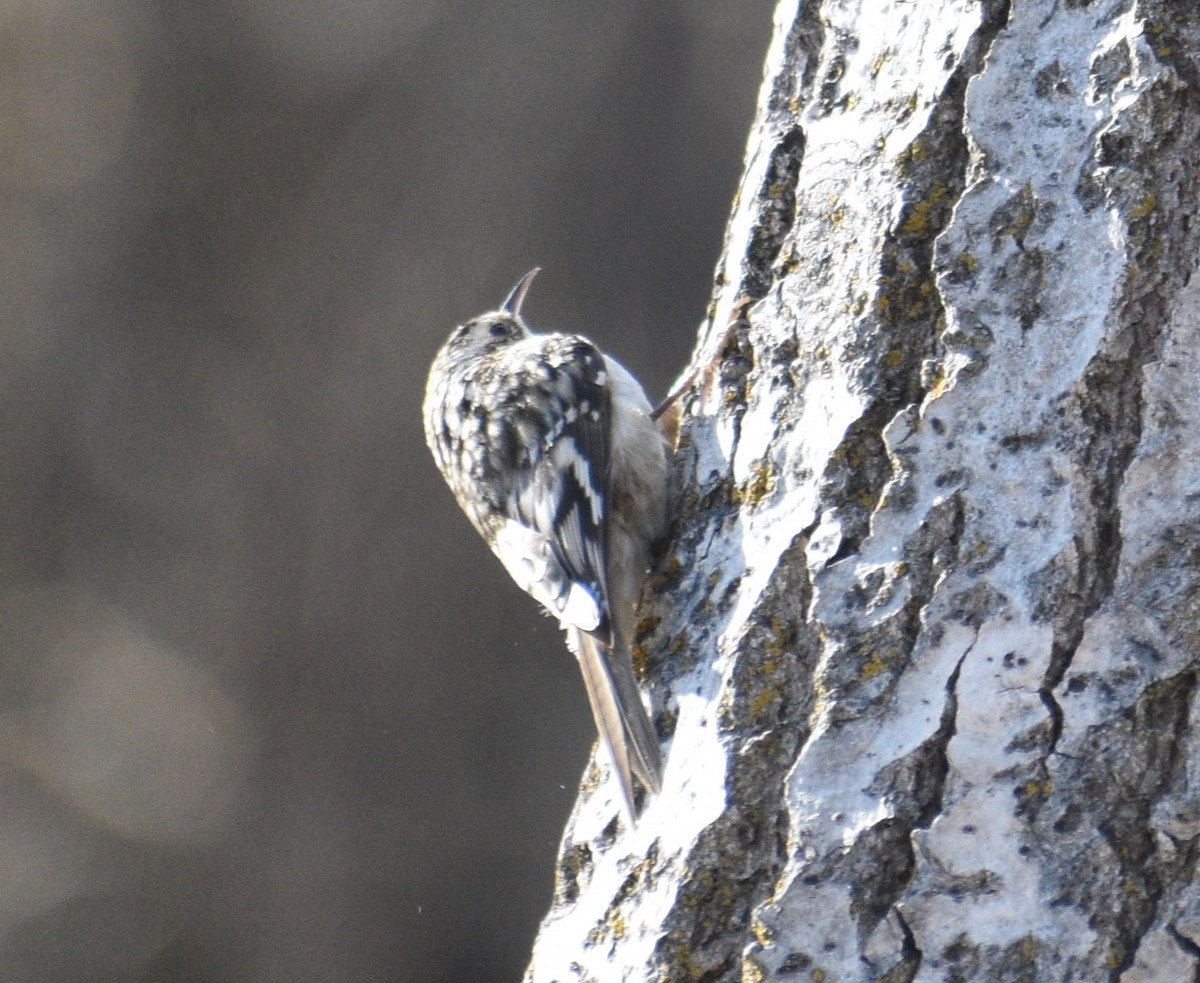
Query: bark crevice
[{"x": 908, "y": 307}]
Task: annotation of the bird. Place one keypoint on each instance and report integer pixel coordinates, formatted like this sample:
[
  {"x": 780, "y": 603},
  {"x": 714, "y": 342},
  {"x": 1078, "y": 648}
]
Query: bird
[{"x": 550, "y": 448}]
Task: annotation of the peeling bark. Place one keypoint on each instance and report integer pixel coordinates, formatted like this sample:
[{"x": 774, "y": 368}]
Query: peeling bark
[{"x": 924, "y": 641}]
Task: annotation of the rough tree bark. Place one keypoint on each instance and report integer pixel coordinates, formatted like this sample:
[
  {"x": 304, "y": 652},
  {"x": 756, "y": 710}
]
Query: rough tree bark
[{"x": 926, "y": 638}]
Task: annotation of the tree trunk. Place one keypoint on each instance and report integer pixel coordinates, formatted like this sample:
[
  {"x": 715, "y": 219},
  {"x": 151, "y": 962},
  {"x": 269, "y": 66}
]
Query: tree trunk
[{"x": 925, "y": 640}]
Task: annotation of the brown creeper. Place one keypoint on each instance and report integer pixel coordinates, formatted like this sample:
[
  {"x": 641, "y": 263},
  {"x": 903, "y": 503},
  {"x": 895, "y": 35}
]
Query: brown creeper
[{"x": 549, "y": 447}]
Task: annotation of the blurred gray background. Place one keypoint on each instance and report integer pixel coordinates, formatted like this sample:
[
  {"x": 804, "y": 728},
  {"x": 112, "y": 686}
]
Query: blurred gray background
[{"x": 269, "y": 710}]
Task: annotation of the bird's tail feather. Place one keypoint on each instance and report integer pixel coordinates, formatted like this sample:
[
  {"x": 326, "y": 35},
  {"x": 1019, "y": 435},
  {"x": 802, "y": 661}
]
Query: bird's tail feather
[{"x": 625, "y": 729}]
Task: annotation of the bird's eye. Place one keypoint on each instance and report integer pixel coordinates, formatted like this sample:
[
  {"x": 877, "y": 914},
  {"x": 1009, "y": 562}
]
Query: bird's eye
[{"x": 498, "y": 328}]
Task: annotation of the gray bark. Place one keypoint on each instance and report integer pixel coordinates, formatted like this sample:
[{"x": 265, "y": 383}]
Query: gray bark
[{"x": 925, "y": 639}]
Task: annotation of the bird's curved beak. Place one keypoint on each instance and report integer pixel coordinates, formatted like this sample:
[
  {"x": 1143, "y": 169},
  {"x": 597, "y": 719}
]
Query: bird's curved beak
[{"x": 515, "y": 299}]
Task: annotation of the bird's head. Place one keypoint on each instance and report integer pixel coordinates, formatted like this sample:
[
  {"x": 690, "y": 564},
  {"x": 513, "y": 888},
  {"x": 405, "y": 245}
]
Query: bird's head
[{"x": 494, "y": 330}]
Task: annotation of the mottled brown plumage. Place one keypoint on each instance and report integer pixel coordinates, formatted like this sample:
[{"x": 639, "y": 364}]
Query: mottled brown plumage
[{"x": 550, "y": 450}]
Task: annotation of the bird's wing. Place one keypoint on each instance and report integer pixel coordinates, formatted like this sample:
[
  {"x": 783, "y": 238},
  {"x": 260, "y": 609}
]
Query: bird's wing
[{"x": 558, "y": 512}]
